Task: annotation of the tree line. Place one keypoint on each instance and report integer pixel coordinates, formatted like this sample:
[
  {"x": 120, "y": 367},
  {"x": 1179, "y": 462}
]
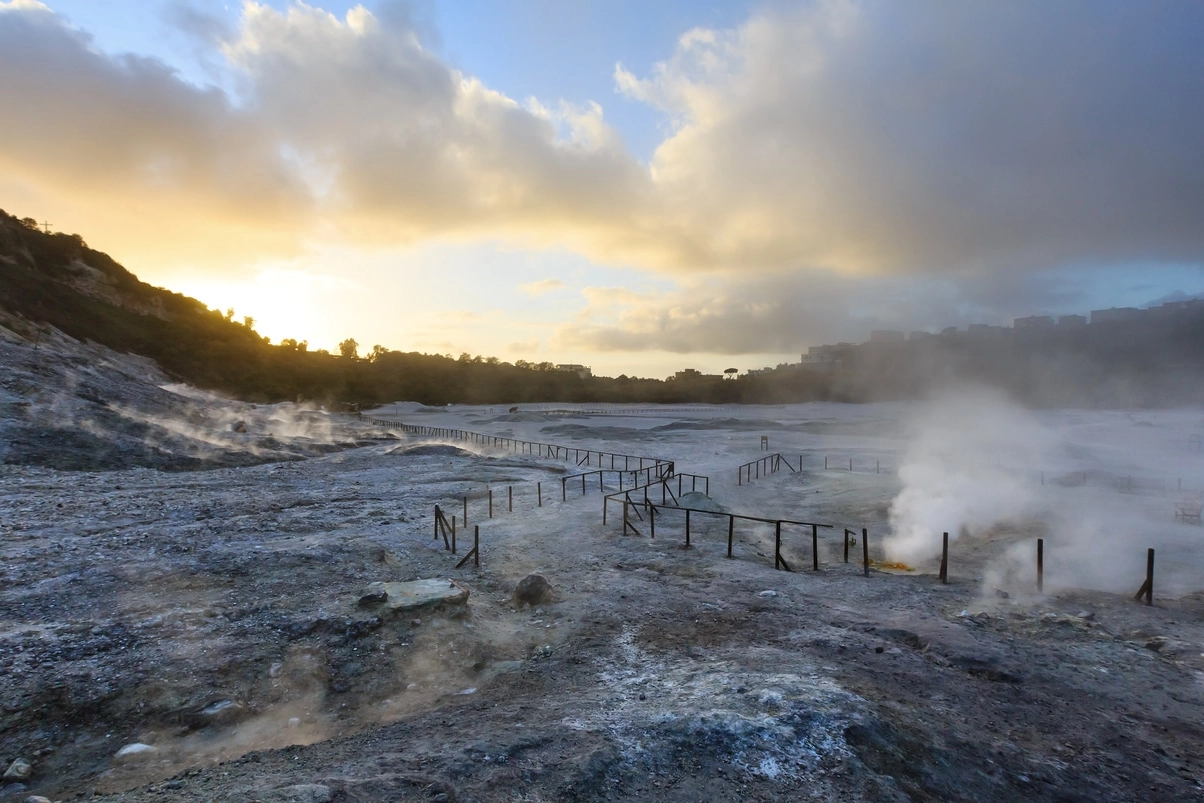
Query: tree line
[{"x": 56, "y": 279}]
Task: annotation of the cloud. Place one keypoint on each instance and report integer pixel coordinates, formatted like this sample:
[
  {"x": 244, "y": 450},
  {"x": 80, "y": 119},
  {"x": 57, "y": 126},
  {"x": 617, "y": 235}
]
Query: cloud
[
  {"x": 784, "y": 313},
  {"x": 198, "y": 23},
  {"x": 840, "y": 137},
  {"x": 757, "y": 315},
  {"x": 542, "y": 287},
  {"x": 160, "y": 166},
  {"x": 345, "y": 128},
  {"x": 871, "y": 137},
  {"x": 526, "y": 347}
]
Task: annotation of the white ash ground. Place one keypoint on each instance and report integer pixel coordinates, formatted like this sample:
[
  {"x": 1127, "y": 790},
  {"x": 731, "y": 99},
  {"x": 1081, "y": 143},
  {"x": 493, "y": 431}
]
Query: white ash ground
[{"x": 210, "y": 616}]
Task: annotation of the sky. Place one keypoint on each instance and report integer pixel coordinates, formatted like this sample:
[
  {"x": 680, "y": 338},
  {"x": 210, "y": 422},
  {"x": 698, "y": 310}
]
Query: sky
[{"x": 638, "y": 187}]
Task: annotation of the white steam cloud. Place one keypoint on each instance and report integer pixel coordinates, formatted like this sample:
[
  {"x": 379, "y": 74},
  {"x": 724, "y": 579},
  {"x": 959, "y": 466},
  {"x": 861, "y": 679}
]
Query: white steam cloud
[
  {"x": 954, "y": 476},
  {"x": 1100, "y": 488}
]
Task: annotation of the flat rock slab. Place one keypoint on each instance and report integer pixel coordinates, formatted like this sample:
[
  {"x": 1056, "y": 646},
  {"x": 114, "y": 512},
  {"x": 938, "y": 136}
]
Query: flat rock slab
[{"x": 404, "y": 597}]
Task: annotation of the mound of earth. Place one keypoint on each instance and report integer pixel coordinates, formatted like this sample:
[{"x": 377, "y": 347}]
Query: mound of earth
[
  {"x": 431, "y": 450},
  {"x": 723, "y": 424},
  {"x": 700, "y": 501},
  {"x": 79, "y": 406},
  {"x": 519, "y": 418}
]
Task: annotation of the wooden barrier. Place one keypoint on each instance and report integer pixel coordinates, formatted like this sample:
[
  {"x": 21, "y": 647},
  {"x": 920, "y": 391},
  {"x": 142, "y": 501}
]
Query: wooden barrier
[
  {"x": 582, "y": 457},
  {"x": 654, "y": 510},
  {"x": 769, "y": 464},
  {"x": 1147, "y": 588}
]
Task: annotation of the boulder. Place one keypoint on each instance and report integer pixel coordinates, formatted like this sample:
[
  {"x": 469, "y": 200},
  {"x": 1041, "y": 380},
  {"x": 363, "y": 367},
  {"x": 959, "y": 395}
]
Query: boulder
[
  {"x": 532, "y": 590},
  {"x": 19, "y": 770},
  {"x": 400, "y": 599}
]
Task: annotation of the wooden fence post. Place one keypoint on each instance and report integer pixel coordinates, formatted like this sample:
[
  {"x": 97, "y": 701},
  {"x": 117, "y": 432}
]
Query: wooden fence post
[
  {"x": 945, "y": 558},
  {"x": 815, "y": 547},
  {"x": 1040, "y": 565},
  {"x": 865, "y": 550}
]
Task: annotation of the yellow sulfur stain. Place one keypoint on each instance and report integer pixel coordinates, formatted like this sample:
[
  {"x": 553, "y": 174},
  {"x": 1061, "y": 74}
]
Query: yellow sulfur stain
[{"x": 899, "y": 566}]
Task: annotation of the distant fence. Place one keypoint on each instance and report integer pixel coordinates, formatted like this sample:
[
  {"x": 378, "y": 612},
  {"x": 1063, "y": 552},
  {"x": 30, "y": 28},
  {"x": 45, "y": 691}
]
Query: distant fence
[
  {"x": 769, "y": 464},
  {"x": 649, "y": 475},
  {"x": 581, "y": 457},
  {"x": 661, "y": 474},
  {"x": 665, "y": 485},
  {"x": 779, "y": 562}
]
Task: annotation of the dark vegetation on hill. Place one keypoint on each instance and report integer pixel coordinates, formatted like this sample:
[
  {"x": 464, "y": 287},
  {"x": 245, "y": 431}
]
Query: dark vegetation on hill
[{"x": 57, "y": 279}]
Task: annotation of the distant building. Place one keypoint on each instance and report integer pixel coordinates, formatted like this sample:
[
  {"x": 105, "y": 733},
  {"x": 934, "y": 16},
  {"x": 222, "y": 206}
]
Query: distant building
[
  {"x": 1033, "y": 322},
  {"x": 1176, "y": 307},
  {"x": 820, "y": 354},
  {"x": 759, "y": 371},
  {"x": 949, "y": 331},
  {"x": 825, "y": 358},
  {"x": 886, "y": 336},
  {"x": 583, "y": 371},
  {"x": 918, "y": 335},
  {"x": 1072, "y": 321},
  {"x": 1115, "y": 315},
  {"x": 983, "y": 330}
]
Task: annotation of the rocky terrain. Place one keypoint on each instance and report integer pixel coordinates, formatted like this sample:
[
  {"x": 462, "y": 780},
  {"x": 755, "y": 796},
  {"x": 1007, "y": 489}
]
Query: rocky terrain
[{"x": 181, "y": 618}]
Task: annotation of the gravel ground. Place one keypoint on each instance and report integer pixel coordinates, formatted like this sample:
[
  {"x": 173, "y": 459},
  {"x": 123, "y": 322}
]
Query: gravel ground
[{"x": 212, "y": 617}]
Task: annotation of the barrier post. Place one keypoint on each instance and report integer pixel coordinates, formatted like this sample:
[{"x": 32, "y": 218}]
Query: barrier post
[
  {"x": 865, "y": 550},
  {"x": 945, "y": 558},
  {"x": 1040, "y": 565}
]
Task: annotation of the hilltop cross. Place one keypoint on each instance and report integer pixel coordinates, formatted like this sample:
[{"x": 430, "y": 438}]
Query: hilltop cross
[{"x": 46, "y": 226}]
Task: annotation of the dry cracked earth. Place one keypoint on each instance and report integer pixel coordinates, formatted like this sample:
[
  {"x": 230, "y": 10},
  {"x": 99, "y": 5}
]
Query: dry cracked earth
[{"x": 197, "y": 635}]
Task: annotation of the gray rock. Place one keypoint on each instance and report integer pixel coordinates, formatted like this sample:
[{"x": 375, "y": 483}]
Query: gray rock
[
  {"x": 532, "y": 590},
  {"x": 19, "y": 770},
  {"x": 221, "y": 711},
  {"x": 373, "y": 599},
  {"x": 135, "y": 751},
  {"x": 37, "y": 799}
]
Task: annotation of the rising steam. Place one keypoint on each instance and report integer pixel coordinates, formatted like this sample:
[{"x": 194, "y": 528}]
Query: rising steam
[{"x": 958, "y": 471}]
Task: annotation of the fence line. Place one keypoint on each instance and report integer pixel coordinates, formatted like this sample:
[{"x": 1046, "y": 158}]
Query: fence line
[
  {"x": 524, "y": 447},
  {"x": 779, "y": 562},
  {"x": 666, "y": 491},
  {"x": 657, "y": 472},
  {"x": 662, "y": 474},
  {"x": 769, "y": 464}
]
